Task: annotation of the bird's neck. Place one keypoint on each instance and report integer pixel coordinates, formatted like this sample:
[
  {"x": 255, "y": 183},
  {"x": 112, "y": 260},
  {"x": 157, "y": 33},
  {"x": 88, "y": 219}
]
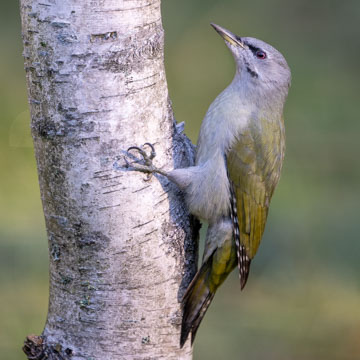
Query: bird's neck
[{"x": 259, "y": 96}]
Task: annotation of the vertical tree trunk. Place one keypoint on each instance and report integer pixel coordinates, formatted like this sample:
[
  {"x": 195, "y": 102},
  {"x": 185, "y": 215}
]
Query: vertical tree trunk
[{"x": 121, "y": 249}]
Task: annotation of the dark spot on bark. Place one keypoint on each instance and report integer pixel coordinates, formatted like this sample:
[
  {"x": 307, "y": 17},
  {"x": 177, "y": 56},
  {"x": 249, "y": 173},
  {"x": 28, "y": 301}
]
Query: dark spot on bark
[
  {"x": 80, "y": 67},
  {"x": 85, "y": 302},
  {"x": 109, "y": 36},
  {"x": 96, "y": 240},
  {"x": 55, "y": 252},
  {"x": 145, "y": 340},
  {"x": 47, "y": 129},
  {"x": 83, "y": 56},
  {"x": 71, "y": 124},
  {"x": 88, "y": 126},
  {"x": 59, "y": 24},
  {"x": 66, "y": 37},
  {"x": 88, "y": 286},
  {"x": 65, "y": 280}
]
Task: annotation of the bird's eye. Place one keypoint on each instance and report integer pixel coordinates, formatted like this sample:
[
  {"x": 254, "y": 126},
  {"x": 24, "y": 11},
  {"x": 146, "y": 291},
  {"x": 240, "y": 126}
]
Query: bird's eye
[{"x": 260, "y": 54}]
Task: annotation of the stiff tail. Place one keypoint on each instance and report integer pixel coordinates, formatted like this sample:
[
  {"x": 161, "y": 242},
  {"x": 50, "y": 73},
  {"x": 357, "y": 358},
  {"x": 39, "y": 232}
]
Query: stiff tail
[{"x": 195, "y": 302}]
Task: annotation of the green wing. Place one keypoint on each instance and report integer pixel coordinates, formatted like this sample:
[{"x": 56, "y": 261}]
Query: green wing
[{"x": 254, "y": 164}]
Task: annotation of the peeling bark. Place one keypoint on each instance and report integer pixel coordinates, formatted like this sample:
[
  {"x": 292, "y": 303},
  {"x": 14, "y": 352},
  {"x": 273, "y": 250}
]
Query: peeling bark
[{"x": 121, "y": 249}]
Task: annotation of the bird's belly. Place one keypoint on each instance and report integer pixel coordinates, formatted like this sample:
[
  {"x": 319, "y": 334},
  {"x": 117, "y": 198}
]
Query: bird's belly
[{"x": 208, "y": 194}]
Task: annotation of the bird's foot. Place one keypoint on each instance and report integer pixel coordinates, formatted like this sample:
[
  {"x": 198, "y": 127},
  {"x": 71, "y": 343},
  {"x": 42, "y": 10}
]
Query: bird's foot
[{"x": 148, "y": 166}]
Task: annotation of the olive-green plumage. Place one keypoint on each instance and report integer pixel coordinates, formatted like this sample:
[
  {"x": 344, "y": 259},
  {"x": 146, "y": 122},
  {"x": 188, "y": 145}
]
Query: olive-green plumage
[{"x": 254, "y": 164}]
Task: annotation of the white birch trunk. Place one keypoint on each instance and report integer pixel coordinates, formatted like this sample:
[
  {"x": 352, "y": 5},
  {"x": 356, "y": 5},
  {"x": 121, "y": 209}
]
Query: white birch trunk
[{"x": 121, "y": 249}]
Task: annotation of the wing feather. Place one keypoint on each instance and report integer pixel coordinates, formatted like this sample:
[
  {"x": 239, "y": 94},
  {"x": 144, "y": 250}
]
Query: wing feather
[{"x": 254, "y": 163}]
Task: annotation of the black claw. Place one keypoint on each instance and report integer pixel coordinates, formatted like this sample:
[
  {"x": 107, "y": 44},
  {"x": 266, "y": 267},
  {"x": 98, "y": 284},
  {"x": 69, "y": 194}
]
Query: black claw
[
  {"x": 140, "y": 150},
  {"x": 133, "y": 148},
  {"x": 153, "y": 153},
  {"x": 147, "y": 158},
  {"x": 148, "y": 177}
]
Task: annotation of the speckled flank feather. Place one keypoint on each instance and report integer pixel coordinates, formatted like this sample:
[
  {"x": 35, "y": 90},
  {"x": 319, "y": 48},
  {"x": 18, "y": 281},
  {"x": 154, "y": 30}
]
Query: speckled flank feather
[{"x": 243, "y": 260}]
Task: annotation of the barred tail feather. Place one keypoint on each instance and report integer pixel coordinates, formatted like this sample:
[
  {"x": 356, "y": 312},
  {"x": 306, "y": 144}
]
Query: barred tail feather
[
  {"x": 195, "y": 302},
  {"x": 243, "y": 260},
  {"x": 202, "y": 312}
]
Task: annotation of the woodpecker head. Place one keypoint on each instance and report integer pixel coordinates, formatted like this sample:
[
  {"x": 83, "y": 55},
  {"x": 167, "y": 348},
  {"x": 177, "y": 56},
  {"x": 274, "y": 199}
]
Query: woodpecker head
[{"x": 261, "y": 68}]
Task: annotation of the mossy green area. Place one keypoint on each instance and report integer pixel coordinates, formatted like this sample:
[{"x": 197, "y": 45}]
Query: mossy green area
[{"x": 302, "y": 298}]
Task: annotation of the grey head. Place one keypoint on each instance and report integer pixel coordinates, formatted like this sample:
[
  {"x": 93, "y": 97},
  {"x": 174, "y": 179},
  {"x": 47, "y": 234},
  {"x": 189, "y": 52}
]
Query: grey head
[{"x": 260, "y": 68}]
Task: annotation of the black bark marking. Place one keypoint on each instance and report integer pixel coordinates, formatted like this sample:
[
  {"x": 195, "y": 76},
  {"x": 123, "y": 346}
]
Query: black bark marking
[
  {"x": 132, "y": 58},
  {"x": 140, "y": 225},
  {"x": 111, "y": 35},
  {"x": 128, "y": 9}
]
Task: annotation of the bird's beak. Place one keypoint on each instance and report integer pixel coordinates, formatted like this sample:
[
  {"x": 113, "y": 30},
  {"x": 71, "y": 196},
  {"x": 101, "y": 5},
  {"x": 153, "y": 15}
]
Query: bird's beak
[{"x": 228, "y": 36}]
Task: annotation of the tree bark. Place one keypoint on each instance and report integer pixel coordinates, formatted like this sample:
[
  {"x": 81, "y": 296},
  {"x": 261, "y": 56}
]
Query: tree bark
[{"x": 121, "y": 249}]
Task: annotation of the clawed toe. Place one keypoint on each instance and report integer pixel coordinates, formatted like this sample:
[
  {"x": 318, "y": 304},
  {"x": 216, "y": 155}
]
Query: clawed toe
[
  {"x": 138, "y": 149},
  {"x": 147, "y": 165},
  {"x": 147, "y": 158}
]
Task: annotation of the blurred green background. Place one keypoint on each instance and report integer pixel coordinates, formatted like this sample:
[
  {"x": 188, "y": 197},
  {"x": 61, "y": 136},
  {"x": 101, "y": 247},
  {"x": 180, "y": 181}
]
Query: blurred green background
[{"x": 303, "y": 297}]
